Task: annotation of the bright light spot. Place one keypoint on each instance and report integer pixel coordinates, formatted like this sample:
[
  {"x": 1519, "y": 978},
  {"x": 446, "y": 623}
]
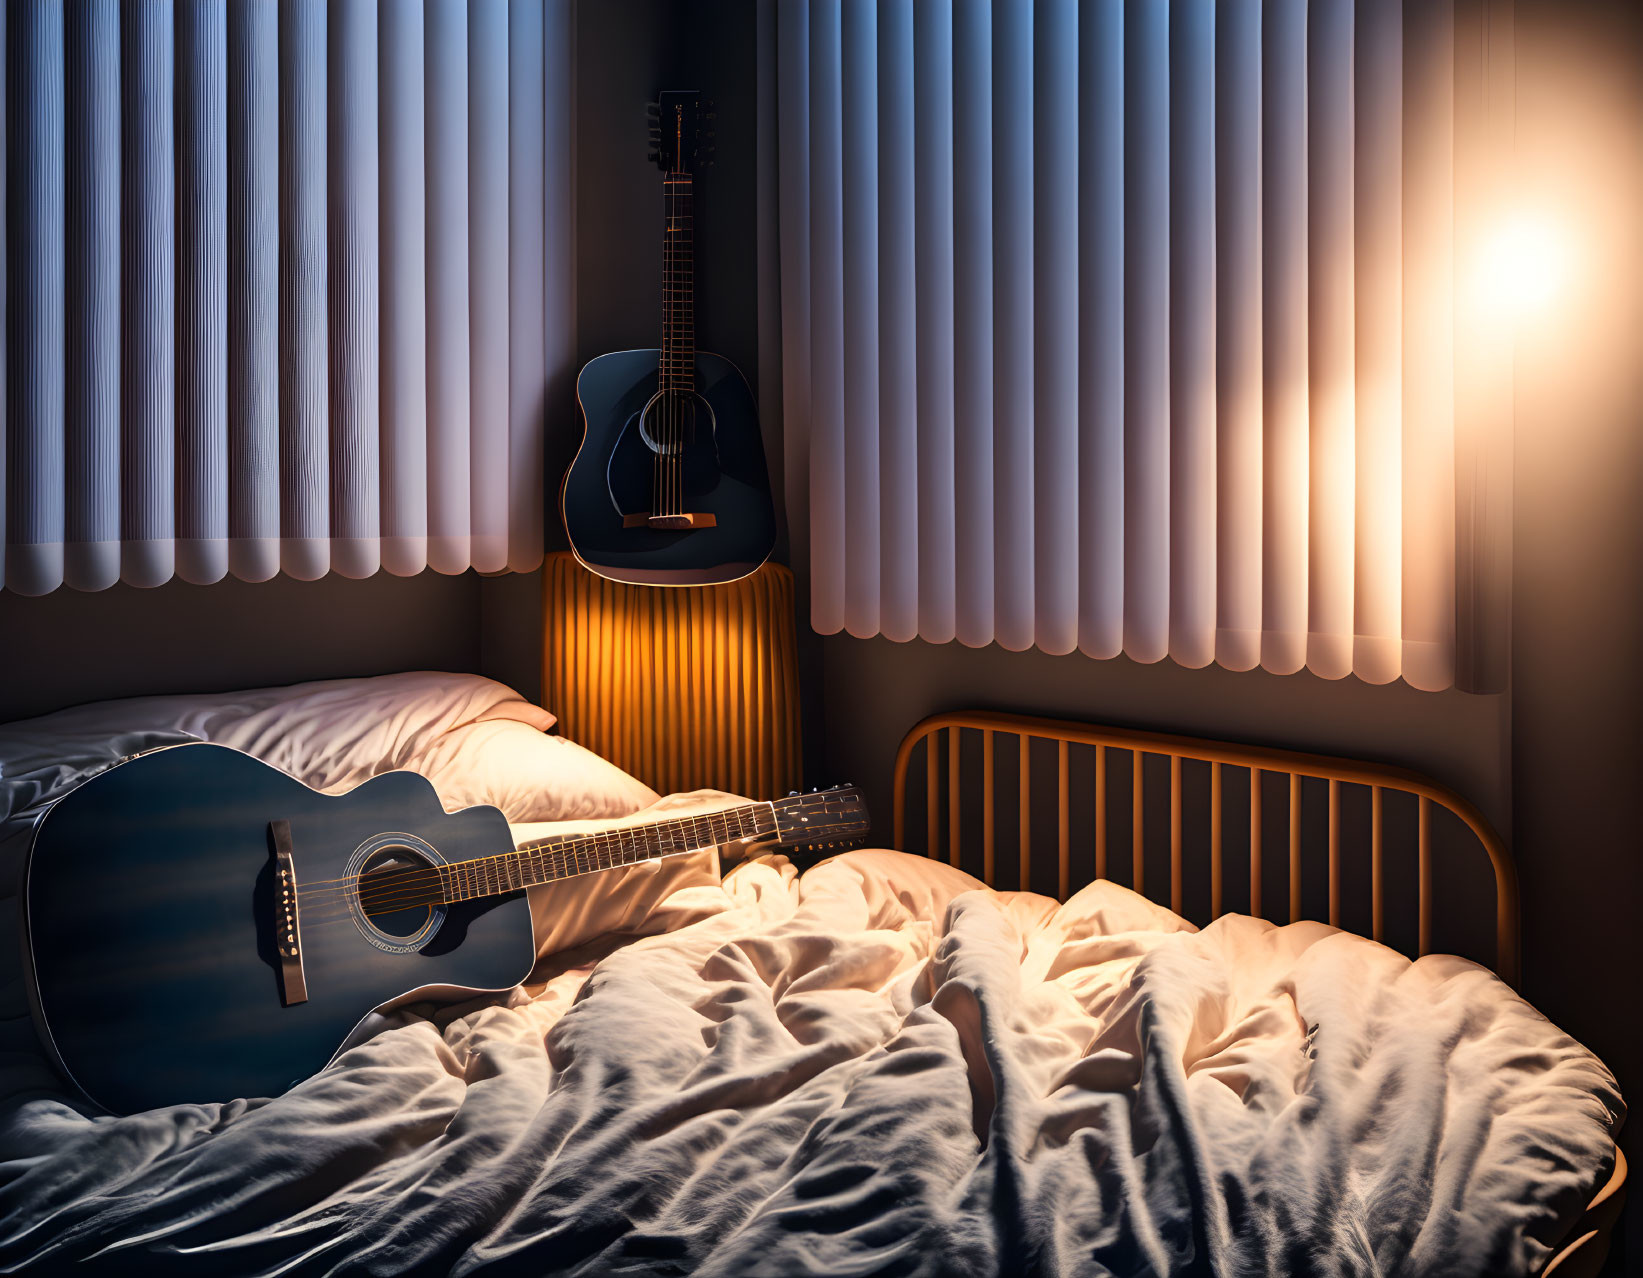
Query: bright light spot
[{"x": 1523, "y": 268}]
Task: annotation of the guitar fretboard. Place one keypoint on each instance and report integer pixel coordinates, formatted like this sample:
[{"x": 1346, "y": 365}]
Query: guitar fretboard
[
  {"x": 678, "y": 361},
  {"x": 566, "y": 856}
]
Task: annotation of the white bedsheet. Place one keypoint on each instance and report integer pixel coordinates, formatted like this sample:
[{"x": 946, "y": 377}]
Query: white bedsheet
[{"x": 876, "y": 1069}]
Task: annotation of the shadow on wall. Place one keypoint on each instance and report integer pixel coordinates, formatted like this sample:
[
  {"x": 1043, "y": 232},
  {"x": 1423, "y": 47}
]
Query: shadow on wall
[
  {"x": 69, "y": 647},
  {"x": 877, "y": 689}
]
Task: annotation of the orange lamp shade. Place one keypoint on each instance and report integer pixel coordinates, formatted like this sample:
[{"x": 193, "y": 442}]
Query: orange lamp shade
[{"x": 685, "y": 688}]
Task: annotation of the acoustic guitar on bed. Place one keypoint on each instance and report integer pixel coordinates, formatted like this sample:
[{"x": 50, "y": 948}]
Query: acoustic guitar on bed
[
  {"x": 670, "y": 486},
  {"x": 199, "y": 926}
]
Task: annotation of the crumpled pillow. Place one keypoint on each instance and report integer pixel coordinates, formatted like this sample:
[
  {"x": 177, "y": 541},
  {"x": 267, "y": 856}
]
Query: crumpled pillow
[{"x": 477, "y": 740}]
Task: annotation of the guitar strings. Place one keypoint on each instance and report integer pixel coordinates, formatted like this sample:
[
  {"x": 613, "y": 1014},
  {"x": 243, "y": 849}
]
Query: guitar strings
[
  {"x": 678, "y": 355},
  {"x": 569, "y": 843},
  {"x": 562, "y": 865},
  {"x": 681, "y": 236},
  {"x": 672, "y": 372},
  {"x": 562, "y": 847},
  {"x": 672, "y": 353},
  {"x": 402, "y": 896},
  {"x": 662, "y": 468},
  {"x": 409, "y": 888},
  {"x": 562, "y": 854},
  {"x": 561, "y": 842},
  {"x": 329, "y": 913},
  {"x": 428, "y": 875}
]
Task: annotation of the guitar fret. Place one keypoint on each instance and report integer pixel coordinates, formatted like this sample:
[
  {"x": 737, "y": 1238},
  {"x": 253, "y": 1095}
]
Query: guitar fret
[
  {"x": 676, "y": 367},
  {"x": 566, "y": 856}
]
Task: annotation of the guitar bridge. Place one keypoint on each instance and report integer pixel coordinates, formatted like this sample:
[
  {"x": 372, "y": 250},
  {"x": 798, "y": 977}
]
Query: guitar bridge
[
  {"x": 681, "y": 522},
  {"x": 287, "y": 921}
]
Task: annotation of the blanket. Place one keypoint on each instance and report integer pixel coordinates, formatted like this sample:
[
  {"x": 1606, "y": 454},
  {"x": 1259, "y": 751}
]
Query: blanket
[{"x": 880, "y": 1067}]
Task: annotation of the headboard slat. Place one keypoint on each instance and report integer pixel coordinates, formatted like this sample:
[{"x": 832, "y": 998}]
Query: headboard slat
[{"x": 1294, "y": 766}]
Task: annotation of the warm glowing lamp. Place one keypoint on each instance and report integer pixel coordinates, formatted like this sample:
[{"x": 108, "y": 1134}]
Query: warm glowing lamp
[{"x": 1522, "y": 268}]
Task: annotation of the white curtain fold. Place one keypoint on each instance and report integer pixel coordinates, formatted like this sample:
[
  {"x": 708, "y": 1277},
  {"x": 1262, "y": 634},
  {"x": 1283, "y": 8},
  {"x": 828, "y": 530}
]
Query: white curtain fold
[
  {"x": 1126, "y": 326},
  {"x": 286, "y": 286}
]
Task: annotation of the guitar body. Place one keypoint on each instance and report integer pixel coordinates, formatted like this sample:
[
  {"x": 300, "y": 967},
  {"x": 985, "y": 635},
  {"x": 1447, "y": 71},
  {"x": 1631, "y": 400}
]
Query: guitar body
[
  {"x": 720, "y": 473},
  {"x": 149, "y": 907}
]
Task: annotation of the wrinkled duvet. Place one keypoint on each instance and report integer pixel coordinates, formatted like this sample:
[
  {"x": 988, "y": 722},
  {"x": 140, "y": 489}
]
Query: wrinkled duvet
[{"x": 878, "y": 1068}]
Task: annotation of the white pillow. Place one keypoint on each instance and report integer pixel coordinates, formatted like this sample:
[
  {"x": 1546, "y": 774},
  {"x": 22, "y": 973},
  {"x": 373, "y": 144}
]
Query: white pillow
[
  {"x": 331, "y": 735},
  {"x": 528, "y": 774},
  {"x": 335, "y": 733}
]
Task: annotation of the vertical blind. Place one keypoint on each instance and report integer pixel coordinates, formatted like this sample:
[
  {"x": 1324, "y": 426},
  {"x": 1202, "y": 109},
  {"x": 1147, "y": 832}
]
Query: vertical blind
[
  {"x": 1127, "y": 327},
  {"x": 285, "y": 286}
]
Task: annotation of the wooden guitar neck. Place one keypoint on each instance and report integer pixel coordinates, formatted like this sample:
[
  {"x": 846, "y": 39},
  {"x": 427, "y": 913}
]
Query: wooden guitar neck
[{"x": 566, "y": 856}]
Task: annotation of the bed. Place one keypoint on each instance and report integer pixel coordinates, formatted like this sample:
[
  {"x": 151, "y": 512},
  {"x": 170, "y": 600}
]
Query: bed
[
  {"x": 881, "y": 1066},
  {"x": 1116, "y": 765}
]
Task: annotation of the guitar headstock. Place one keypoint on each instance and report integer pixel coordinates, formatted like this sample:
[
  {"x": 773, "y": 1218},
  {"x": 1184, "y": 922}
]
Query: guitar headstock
[
  {"x": 821, "y": 819},
  {"x": 681, "y": 131}
]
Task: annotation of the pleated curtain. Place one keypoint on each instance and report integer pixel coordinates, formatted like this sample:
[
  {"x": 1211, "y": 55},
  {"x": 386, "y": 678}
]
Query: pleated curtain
[
  {"x": 1126, "y": 327},
  {"x": 285, "y": 286}
]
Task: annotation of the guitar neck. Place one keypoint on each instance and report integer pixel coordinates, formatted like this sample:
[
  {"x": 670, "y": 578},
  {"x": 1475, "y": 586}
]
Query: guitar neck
[
  {"x": 566, "y": 856},
  {"x": 678, "y": 361}
]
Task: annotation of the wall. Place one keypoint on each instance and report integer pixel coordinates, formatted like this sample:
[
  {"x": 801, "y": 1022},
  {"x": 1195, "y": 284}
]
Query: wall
[
  {"x": 70, "y": 647},
  {"x": 1577, "y": 670},
  {"x": 875, "y": 690}
]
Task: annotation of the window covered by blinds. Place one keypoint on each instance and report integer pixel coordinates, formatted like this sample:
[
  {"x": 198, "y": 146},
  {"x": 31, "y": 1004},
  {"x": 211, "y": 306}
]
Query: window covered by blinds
[
  {"x": 1131, "y": 327},
  {"x": 285, "y": 286}
]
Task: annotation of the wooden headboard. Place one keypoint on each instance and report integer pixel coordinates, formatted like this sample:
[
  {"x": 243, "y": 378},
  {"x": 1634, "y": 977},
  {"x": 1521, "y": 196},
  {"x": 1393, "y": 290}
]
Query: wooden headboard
[
  {"x": 684, "y": 687},
  {"x": 1255, "y": 769}
]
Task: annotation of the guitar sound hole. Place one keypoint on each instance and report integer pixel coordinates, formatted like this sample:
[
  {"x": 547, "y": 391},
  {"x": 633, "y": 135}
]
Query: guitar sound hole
[
  {"x": 668, "y": 421},
  {"x": 397, "y": 890}
]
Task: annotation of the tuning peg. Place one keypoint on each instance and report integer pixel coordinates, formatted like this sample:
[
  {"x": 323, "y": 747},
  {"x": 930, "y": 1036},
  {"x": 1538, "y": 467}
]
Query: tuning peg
[
  {"x": 653, "y": 109},
  {"x": 655, "y": 157}
]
